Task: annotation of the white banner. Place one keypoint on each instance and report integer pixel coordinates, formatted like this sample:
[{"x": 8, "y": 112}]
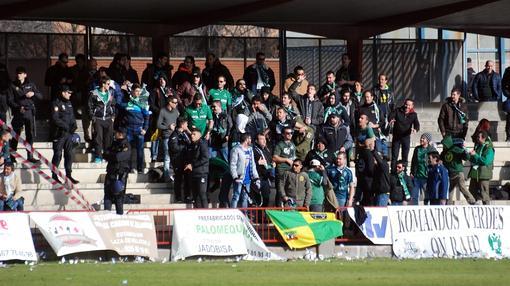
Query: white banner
[
  {"x": 72, "y": 232},
  {"x": 216, "y": 233},
  {"x": 450, "y": 231},
  {"x": 377, "y": 226},
  {"x": 15, "y": 237},
  {"x": 68, "y": 232}
]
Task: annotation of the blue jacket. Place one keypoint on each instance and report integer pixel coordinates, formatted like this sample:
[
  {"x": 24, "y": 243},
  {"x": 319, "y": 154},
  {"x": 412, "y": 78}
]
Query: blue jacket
[
  {"x": 136, "y": 115},
  {"x": 481, "y": 80},
  {"x": 438, "y": 182}
]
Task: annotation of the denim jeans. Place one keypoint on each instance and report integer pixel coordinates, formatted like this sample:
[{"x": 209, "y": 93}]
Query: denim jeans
[
  {"x": 316, "y": 208},
  {"x": 341, "y": 201},
  {"x": 155, "y": 149},
  {"x": 12, "y": 205},
  {"x": 166, "y": 164},
  {"x": 420, "y": 185},
  {"x": 381, "y": 200},
  {"x": 382, "y": 147},
  {"x": 136, "y": 141},
  {"x": 239, "y": 196}
]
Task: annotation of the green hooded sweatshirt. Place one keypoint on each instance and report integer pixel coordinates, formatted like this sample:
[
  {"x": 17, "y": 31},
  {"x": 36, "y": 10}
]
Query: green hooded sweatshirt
[
  {"x": 482, "y": 162},
  {"x": 453, "y": 156}
]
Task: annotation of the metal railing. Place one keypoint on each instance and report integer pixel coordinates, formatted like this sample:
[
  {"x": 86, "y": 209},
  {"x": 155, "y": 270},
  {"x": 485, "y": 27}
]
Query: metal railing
[{"x": 257, "y": 216}]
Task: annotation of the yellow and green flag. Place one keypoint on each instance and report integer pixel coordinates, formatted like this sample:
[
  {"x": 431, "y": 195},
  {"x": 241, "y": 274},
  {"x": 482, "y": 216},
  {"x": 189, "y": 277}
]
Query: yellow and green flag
[{"x": 304, "y": 229}]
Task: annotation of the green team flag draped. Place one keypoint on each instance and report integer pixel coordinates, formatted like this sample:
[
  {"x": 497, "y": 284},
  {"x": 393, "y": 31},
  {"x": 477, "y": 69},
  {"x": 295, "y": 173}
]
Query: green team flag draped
[{"x": 304, "y": 229}]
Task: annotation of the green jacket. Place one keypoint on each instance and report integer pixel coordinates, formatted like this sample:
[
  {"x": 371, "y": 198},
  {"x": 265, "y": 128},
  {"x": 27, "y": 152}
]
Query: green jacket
[
  {"x": 482, "y": 162},
  {"x": 453, "y": 156},
  {"x": 419, "y": 162},
  {"x": 318, "y": 182}
]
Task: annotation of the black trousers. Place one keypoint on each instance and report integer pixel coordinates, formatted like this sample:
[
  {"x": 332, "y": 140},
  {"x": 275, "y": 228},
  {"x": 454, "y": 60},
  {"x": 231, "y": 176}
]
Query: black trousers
[
  {"x": 17, "y": 125},
  {"x": 63, "y": 143},
  {"x": 405, "y": 143},
  {"x": 198, "y": 185},
  {"x": 265, "y": 190},
  {"x": 179, "y": 181},
  {"x": 109, "y": 197},
  {"x": 103, "y": 135},
  {"x": 507, "y": 126}
]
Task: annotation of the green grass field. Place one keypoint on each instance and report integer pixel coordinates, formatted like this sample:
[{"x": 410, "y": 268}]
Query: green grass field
[{"x": 335, "y": 272}]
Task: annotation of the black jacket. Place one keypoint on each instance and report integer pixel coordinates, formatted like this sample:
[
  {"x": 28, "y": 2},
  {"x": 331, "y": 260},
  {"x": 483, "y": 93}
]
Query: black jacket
[
  {"x": 381, "y": 175},
  {"x": 19, "y": 99},
  {"x": 118, "y": 157},
  {"x": 404, "y": 122},
  {"x": 5, "y": 84},
  {"x": 397, "y": 193},
  {"x": 220, "y": 130},
  {"x": 336, "y": 137},
  {"x": 210, "y": 75},
  {"x": 64, "y": 122},
  {"x": 263, "y": 170},
  {"x": 98, "y": 108},
  {"x": 176, "y": 147},
  {"x": 197, "y": 154},
  {"x": 326, "y": 157},
  {"x": 313, "y": 109},
  {"x": 251, "y": 77},
  {"x": 374, "y": 115}
]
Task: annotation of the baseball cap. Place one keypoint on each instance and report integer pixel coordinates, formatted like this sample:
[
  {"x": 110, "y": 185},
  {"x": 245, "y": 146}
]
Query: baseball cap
[{"x": 315, "y": 163}]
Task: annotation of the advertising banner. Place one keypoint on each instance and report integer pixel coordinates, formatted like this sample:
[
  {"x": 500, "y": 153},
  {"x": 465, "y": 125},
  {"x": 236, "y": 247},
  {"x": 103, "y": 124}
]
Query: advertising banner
[
  {"x": 72, "y": 232},
  {"x": 129, "y": 234},
  {"x": 450, "y": 231},
  {"x": 377, "y": 226},
  {"x": 216, "y": 233},
  {"x": 15, "y": 237}
]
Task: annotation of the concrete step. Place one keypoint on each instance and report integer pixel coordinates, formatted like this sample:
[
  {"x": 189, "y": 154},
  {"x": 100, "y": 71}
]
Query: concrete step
[{"x": 127, "y": 207}]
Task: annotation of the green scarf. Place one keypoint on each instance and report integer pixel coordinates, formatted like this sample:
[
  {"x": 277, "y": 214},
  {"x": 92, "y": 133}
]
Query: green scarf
[{"x": 402, "y": 180}]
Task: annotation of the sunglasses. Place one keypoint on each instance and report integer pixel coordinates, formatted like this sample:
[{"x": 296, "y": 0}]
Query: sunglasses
[{"x": 261, "y": 59}]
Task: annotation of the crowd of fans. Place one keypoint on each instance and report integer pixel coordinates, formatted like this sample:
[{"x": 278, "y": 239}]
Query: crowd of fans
[{"x": 320, "y": 146}]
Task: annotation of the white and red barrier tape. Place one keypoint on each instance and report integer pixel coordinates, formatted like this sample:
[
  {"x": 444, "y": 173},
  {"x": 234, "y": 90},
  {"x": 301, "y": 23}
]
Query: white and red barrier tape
[
  {"x": 50, "y": 165},
  {"x": 53, "y": 182}
]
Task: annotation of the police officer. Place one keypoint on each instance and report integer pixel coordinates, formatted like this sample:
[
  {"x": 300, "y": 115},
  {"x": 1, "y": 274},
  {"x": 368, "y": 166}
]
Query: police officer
[
  {"x": 64, "y": 127},
  {"x": 5, "y": 83},
  {"x": 117, "y": 171},
  {"x": 179, "y": 140},
  {"x": 23, "y": 108}
]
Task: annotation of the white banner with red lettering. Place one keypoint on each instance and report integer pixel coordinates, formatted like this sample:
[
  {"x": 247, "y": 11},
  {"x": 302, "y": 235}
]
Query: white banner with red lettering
[
  {"x": 15, "y": 237},
  {"x": 450, "y": 231}
]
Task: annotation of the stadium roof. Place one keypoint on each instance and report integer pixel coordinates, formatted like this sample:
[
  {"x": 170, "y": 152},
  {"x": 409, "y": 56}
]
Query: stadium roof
[{"x": 346, "y": 19}]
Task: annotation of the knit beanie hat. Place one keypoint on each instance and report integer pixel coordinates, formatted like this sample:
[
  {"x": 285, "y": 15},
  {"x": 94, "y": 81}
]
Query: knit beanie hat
[{"x": 427, "y": 136}]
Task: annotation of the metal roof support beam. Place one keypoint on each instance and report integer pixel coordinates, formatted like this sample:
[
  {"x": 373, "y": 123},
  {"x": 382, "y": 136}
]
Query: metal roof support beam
[
  {"x": 14, "y": 9},
  {"x": 394, "y": 22}
]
